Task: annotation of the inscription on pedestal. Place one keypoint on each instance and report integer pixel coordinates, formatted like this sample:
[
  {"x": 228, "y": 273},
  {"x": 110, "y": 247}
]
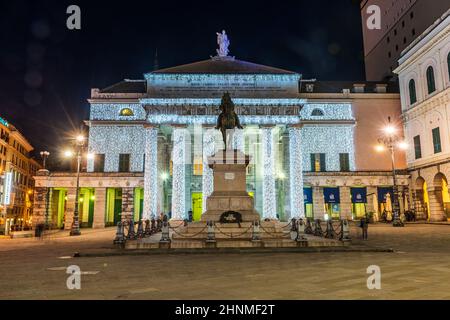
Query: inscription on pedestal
[{"x": 229, "y": 176}]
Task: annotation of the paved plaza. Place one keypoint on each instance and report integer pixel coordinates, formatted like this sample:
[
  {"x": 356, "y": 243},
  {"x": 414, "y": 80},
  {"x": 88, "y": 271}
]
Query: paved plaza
[{"x": 417, "y": 269}]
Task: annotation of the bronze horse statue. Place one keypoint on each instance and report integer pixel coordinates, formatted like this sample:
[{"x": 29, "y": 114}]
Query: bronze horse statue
[{"x": 228, "y": 119}]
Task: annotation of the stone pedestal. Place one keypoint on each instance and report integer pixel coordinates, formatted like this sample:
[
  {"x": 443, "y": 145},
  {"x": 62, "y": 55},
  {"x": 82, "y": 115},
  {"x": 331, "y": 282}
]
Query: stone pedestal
[{"x": 230, "y": 189}]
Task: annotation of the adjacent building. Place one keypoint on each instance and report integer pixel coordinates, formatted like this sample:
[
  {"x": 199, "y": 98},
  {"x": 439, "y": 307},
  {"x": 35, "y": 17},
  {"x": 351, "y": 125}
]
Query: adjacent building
[
  {"x": 17, "y": 169},
  {"x": 311, "y": 144},
  {"x": 424, "y": 75},
  {"x": 402, "y": 21}
]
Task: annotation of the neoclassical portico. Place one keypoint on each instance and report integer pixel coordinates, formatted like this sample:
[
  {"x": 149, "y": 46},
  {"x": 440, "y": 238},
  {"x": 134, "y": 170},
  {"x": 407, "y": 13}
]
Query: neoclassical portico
[{"x": 259, "y": 141}]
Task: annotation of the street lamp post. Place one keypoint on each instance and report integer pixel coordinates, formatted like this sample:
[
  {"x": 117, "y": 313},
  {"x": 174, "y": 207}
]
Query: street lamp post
[
  {"x": 390, "y": 140},
  {"x": 75, "y": 228},
  {"x": 44, "y": 156}
]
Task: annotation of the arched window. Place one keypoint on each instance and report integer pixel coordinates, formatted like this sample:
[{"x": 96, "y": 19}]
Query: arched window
[
  {"x": 126, "y": 112},
  {"x": 430, "y": 80},
  {"x": 412, "y": 92},
  {"x": 448, "y": 65},
  {"x": 317, "y": 113}
]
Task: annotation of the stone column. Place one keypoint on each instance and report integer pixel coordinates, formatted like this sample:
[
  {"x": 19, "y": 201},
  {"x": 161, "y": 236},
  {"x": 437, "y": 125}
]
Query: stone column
[
  {"x": 418, "y": 204},
  {"x": 296, "y": 173},
  {"x": 70, "y": 208},
  {"x": 207, "y": 178},
  {"x": 127, "y": 203},
  {"x": 41, "y": 202},
  {"x": 39, "y": 205},
  {"x": 268, "y": 159},
  {"x": 318, "y": 203},
  {"x": 99, "y": 208},
  {"x": 150, "y": 173},
  {"x": 346, "y": 203},
  {"x": 401, "y": 200},
  {"x": 238, "y": 140},
  {"x": 179, "y": 173},
  {"x": 436, "y": 206}
]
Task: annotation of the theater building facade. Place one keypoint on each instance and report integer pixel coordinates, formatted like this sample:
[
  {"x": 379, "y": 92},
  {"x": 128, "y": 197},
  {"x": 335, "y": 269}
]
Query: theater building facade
[{"x": 311, "y": 145}]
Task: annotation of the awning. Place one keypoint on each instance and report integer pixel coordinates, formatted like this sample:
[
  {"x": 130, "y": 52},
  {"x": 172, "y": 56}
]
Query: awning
[
  {"x": 307, "y": 195},
  {"x": 359, "y": 195},
  {"x": 383, "y": 192},
  {"x": 331, "y": 195}
]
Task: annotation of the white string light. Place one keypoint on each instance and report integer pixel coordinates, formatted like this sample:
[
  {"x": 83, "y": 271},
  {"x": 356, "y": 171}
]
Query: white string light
[
  {"x": 151, "y": 173},
  {"x": 217, "y": 101},
  {"x": 207, "y": 178},
  {"x": 179, "y": 173},
  {"x": 296, "y": 173},
  {"x": 114, "y": 140},
  {"x": 330, "y": 140},
  {"x": 111, "y": 111},
  {"x": 268, "y": 192}
]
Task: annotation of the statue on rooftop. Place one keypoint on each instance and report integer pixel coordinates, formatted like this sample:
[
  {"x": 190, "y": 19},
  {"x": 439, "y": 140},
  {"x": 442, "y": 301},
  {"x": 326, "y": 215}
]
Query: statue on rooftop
[
  {"x": 224, "y": 43},
  {"x": 228, "y": 121}
]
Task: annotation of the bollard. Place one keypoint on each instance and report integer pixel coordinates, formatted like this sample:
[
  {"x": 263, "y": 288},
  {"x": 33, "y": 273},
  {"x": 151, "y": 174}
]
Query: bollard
[
  {"x": 148, "y": 231},
  {"x": 293, "y": 232},
  {"x": 131, "y": 234},
  {"x": 165, "y": 237},
  {"x": 255, "y": 234},
  {"x": 345, "y": 231},
  {"x": 308, "y": 227},
  {"x": 159, "y": 225},
  {"x": 301, "y": 230},
  {"x": 329, "y": 233},
  {"x": 211, "y": 237},
  {"x": 120, "y": 236},
  {"x": 318, "y": 228},
  {"x": 140, "y": 232}
]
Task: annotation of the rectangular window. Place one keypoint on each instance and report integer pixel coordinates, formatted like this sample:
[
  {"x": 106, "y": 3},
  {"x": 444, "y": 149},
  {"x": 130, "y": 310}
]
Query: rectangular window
[
  {"x": 124, "y": 162},
  {"x": 318, "y": 163},
  {"x": 417, "y": 147},
  {"x": 99, "y": 163},
  {"x": 437, "y": 140},
  {"x": 344, "y": 160},
  {"x": 198, "y": 167}
]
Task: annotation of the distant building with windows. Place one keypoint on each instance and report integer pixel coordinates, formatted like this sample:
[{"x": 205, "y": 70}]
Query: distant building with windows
[
  {"x": 424, "y": 75},
  {"x": 311, "y": 144},
  {"x": 17, "y": 169},
  {"x": 402, "y": 21}
]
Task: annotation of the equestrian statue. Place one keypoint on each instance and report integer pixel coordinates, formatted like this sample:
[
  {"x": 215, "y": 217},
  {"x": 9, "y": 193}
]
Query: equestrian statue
[{"x": 228, "y": 121}]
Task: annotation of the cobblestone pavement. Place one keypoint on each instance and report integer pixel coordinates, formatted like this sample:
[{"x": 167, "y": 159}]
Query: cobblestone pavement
[{"x": 419, "y": 269}]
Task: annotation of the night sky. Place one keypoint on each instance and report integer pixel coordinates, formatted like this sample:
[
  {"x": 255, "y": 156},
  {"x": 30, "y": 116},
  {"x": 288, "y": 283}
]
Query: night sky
[{"x": 47, "y": 71}]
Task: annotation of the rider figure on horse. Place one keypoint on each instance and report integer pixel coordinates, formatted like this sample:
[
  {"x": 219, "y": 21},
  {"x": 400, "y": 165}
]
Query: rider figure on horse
[{"x": 228, "y": 120}]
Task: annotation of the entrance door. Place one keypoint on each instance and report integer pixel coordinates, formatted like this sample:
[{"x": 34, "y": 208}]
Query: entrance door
[{"x": 197, "y": 206}]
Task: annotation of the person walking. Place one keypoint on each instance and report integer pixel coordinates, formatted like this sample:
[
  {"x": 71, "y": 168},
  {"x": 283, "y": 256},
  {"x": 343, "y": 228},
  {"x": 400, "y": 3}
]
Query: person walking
[{"x": 364, "y": 225}]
